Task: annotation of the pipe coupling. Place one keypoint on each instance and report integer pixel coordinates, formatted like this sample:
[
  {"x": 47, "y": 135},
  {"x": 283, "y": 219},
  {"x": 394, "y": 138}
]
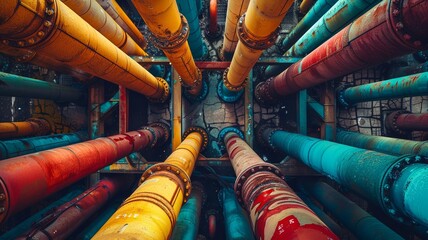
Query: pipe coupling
[
  {"x": 202, "y": 132},
  {"x": 230, "y": 86},
  {"x": 196, "y": 81},
  {"x": 4, "y": 202},
  {"x": 252, "y": 41},
  {"x": 43, "y": 126},
  {"x": 174, "y": 41},
  {"x": 157, "y": 142},
  {"x": 265, "y": 93},
  {"x": 391, "y": 123},
  {"x": 264, "y": 134},
  {"x": 165, "y": 94}
]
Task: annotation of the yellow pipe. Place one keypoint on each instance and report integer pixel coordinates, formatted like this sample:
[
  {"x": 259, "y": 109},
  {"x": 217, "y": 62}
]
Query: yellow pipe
[
  {"x": 50, "y": 28},
  {"x": 94, "y": 14},
  {"x": 170, "y": 30},
  {"x": 151, "y": 211},
  {"x": 31, "y": 127},
  {"x": 257, "y": 30},
  {"x": 235, "y": 8},
  {"x": 306, "y": 5}
]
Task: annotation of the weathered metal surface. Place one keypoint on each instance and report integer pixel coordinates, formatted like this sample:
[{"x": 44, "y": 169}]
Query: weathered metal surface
[
  {"x": 31, "y": 127},
  {"x": 402, "y": 122},
  {"x": 328, "y": 125},
  {"x": 302, "y": 112}
]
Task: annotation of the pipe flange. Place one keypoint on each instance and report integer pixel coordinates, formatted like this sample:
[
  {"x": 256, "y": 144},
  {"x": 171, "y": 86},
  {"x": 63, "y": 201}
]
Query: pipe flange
[
  {"x": 200, "y": 187},
  {"x": 165, "y": 128},
  {"x": 157, "y": 169},
  {"x": 213, "y": 35},
  {"x": 260, "y": 167},
  {"x": 202, "y": 132},
  {"x": 229, "y": 96},
  {"x": 395, "y": 18},
  {"x": 392, "y": 174},
  {"x": 173, "y": 41},
  {"x": 230, "y": 86},
  {"x": 41, "y": 33},
  {"x": 165, "y": 95},
  {"x": 341, "y": 99},
  {"x": 4, "y": 202},
  {"x": 223, "y": 133},
  {"x": 155, "y": 137},
  {"x": 44, "y": 126},
  {"x": 266, "y": 143},
  {"x": 391, "y": 122},
  {"x": 26, "y": 57},
  {"x": 195, "y": 83},
  {"x": 249, "y": 39},
  {"x": 263, "y": 94},
  {"x": 201, "y": 96}
]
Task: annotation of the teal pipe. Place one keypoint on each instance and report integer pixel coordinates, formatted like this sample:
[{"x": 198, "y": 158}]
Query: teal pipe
[
  {"x": 393, "y": 146},
  {"x": 189, "y": 9},
  {"x": 18, "y": 147},
  {"x": 236, "y": 223},
  {"x": 17, "y": 86},
  {"x": 408, "y": 86},
  {"x": 355, "y": 219},
  {"x": 371, "y": 174},
  {"x": 187, "y": 224},
  {"x": 338, "y": 17}
]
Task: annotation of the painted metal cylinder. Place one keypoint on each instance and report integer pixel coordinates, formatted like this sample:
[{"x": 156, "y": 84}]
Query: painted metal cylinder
[
  {"x": 31, "y": 127},
  {"x": 408, "y": 86},
  {"x": 402, "y": 122},
  {"x": 24, "y": 180},
  {"x": 369, "y": 40},
  {"x": 51, "y": 28},
  {"x": 305, "y": 5},
  {"x": 276, "y": 212},
  {"x": 359, "y": 222}
]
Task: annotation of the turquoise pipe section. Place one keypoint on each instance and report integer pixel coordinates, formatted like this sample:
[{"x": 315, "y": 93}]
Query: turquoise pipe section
[
  {"x": 18, "y": 147},
  {"x": 17, "y": 86},
  {"x": 355, "y": 219},
  {"x": 386, "y": 145},
  {"x": 236, "y": 222},
  {"x": 189, "y": 9},
  {"x": 370, "y": 174},
  {"x": 338, "y": 17},
  {"x": 408, "y": 86}
]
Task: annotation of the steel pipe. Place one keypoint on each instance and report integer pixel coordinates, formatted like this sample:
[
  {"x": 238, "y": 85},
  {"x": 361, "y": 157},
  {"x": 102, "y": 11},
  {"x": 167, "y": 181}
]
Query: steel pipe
[
  {"x": 170, "y": 31},
  {"x": 213, "y": 30},
  {"x": 393, "y": 146},
  {"x": 408, "y": 86},
  {"x": 305, "y": 5},
  {"x": 117, "y": 13},
  {"x": 51, "y": 28},
  {"x": 24, "y": 180},
  {"x": 18, "y": 147},
  {"x": 276, "y": 212},
  {"x": 355, "y": 219},
  {"x": 151, "y": 211},
  {"x": 403, "y": 122},
  {"x": 371, "y": 39},
  {"x": 67, "y": 218},
  {"x": 17, "y": 86},
  {"x": 378, "y": 177},
  {"x": 31, "y": 127}
]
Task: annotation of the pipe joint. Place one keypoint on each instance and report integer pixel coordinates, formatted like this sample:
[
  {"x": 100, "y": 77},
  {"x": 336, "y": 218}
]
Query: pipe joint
[
  {"x": 230, "y": 86},
  {"x": 341, "y": 99},
  {"x": 165, "y": 92},
  {"x": 202, "y": 94},
  {"x": 264, "y": 93},
  {"x": 174, "y": 41},
  {"x": 156, "y": 142},
  {"x": 264, "y": 134},
  {"x": 252, "y": 41},
  {"x": 43, "y": 126},
  {"x": 391, "y": 123},
  {"x": 224, "y": 132},
  {"x": 201, "y": 131},
  {"x": 4, "y": 202}
]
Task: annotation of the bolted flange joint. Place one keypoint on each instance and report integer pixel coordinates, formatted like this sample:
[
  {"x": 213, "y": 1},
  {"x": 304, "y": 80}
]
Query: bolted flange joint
[
  {"x": 165, "y": 129},
  {"x": 230, "y": 86},
  {"x": 165, "y": 94},
  {"x": 174, "y": 41},
  {"x": 252, "y": 41},
  {"x": 264, "y": 134},
  {"x": 200, "y": 130},
  {"x": 44, "y": 126},
  {"x": 391, "y": 123},
  {"x": 203, "y": 93},
  {"x": 265, "y": 94},
  {"x": 4, "y": 202},
  {"x": 223, "y": 134}
]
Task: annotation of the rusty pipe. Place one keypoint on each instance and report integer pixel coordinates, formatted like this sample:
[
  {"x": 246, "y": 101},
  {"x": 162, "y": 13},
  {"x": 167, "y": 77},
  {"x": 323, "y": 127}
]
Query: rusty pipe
[
  {"x": 305, "y": 6},
  {"x": 49, "y": 27},
  {"x": 388, "y": 30},
  {"x": 403, "y": 122},
  {"x": 31, "y": 127},
  {"x": 99, "y": 19},
  {"x": 151, "y": 211},
  {"x": 276, "y": 212},
  {"x": 24, "y": 180}
]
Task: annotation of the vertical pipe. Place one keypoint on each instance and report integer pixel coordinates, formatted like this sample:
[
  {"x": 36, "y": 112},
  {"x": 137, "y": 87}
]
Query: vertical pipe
[
  {"x": 276, "y": 212},
  {"x": 369, "y": 40},
  {"x": 213, "y": 26},
  {"x": 151, "y": 211},
  {"x": 402, "y": 122},
  {"x": 27, "y": 179},
  {"x": 51, "y": 28},
  {"x": 31, "y": 127}
]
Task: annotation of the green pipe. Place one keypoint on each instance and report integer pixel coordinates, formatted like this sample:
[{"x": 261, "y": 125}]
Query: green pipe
[
  {"x": 236, "y": 222},
  {"x": 355, "y": 219},
  {"x": 17, "y": 86},
  {"x": 408, "y": 86},
  {"x": 338, "y": 17},
  {"x": 393, "y": 146}
]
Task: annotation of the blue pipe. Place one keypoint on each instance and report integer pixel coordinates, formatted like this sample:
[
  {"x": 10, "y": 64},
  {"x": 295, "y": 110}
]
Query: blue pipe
[
  {"x": 408, "y": 86},
  {"x": 359, "y": 222},
  {"x": 393, "y": 146},
  {"x": 18, "y": 147},
  {"x": 376, "y": 176},
  {"x": 236, "y": 222},
  {"x": 338, "y": 17},
  {"x": 189, "y": 9}
]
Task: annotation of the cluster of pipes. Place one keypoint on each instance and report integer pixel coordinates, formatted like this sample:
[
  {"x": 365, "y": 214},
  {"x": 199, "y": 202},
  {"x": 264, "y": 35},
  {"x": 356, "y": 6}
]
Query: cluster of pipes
[{"x": 87, "y": 38}]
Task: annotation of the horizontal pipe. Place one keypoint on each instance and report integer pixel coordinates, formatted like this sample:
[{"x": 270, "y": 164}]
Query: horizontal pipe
[
  {"x": 67, "y": 218},
  {"x": 371, "y": 174},
  {"x": 403, "y": 122},
  {"x": 393, "y": 146},
  {"x": 31, "y": 127},
  {"x": 408, "y": 86},
  {"x": 24, "y": 180},
  {"x": 355, "y": 219},
  {"x": 18, "y": 86},
  {"x": 276, "y": 212},
  {"x": 18, "y": 147},
  {"x": 357, "y": 46}
]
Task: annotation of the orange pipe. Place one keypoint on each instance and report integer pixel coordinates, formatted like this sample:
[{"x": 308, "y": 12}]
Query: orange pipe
[
  {"x": 305, "y": 6},
  {"x": 99, "y": 19},
  {"x": 50, "y": 28},
  {"x": 31, "y": 127}
]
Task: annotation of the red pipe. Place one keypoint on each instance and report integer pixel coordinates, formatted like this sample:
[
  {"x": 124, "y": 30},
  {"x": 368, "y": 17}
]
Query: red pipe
[
  {"x": 24, "y": 180},
  {"x": 276, "y": 212},
  {"x": 213, "y": 28},
  {"x": 402, "y": 122},
  {"x": 62, "y": 222},
  {"x": 212, "y": 225},
  {"x": 390, "y": 29}
]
